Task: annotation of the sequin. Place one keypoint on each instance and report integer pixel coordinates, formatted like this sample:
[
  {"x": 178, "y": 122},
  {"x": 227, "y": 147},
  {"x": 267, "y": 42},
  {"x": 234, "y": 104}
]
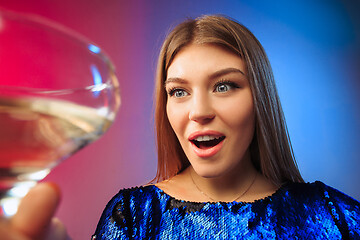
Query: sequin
[{"x": 295, "y": 211}]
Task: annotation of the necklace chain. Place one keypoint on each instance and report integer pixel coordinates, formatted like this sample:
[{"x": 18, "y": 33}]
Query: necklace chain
[{"x": 241, "y": 195}]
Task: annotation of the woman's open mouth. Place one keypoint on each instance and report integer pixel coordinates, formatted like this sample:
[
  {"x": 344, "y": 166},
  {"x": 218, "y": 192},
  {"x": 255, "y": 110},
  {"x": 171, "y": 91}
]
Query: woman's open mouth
[
  {"x": 205, "y": 142},
  {"x": 206, "y": 146}
]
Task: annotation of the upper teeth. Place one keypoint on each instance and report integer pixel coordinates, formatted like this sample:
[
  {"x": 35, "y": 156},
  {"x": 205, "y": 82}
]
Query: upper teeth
[{"x": 205, "y": 138}]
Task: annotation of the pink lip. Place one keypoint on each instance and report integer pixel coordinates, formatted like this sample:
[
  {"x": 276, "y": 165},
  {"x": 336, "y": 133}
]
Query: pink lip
[{"x": 209, "y": 152}]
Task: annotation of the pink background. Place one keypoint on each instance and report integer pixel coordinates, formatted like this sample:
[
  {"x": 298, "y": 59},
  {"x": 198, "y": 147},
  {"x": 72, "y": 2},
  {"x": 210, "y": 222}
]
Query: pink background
[{"x": 314, "y": 50}]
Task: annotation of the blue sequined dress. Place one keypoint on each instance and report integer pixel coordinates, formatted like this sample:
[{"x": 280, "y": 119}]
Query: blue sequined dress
[{"x": 294, "y": 211}]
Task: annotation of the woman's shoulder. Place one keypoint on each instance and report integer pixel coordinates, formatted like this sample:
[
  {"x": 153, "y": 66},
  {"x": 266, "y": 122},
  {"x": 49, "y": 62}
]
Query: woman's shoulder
[
  {"x": 128, "y": 197},
  {"x": 142, "y": 189},
  {"x": 343, "y": 206},
  {"x": 137, "y": 193},
  {"x": 125, "y": 206},
  {"x": 318, "y": 197},
  {"x": 318, "y": 189},
  {"x": 336, "y": 195},
  {"x": 321, "y": 200}
]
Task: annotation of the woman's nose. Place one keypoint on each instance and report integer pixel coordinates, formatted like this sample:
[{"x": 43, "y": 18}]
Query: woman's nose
[{"x": 201, "y": 110}]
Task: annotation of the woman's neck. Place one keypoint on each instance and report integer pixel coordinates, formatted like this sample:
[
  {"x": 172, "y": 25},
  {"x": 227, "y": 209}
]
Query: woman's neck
[{"x": 230, "y": 186}]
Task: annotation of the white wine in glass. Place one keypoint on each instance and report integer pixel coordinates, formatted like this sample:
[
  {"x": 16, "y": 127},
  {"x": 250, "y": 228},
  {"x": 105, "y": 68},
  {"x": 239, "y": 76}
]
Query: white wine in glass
[{"x": 58, "y": 93}]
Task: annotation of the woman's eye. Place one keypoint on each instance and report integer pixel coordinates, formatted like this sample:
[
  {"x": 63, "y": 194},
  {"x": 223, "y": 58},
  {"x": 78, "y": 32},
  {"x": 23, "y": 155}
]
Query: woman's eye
[
  {"x": 222, "y": 88},
  {"x": 178, "y": 93},
  {"x": 225, "y": 86}
]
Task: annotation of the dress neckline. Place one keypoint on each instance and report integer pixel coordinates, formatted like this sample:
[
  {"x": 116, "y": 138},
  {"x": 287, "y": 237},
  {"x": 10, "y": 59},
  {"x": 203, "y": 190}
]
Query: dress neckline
[{"x": 280, "y": 190}]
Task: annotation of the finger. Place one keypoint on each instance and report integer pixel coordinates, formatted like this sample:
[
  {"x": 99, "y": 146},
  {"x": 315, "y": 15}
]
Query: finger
[
  {"x": 56, "y": 231},
  {"x": 7, "y": 234},
  {"x": 36, "y": 210}
]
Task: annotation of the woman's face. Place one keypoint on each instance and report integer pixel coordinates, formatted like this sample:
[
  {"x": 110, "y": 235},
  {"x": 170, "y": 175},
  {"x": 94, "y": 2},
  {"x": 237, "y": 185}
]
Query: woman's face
[{"x": 210, "y": 108}]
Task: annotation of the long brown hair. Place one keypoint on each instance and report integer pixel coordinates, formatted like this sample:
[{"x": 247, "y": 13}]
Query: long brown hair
[{"x": 271, "y": 151}]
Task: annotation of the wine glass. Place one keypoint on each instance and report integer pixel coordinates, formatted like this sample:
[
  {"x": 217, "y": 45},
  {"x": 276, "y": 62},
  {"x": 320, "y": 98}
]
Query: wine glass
[{"x": 58, "y": 93}]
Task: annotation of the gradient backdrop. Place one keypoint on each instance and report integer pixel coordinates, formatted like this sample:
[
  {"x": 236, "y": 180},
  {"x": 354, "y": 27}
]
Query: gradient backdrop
[{"x": 314, "y": 48}]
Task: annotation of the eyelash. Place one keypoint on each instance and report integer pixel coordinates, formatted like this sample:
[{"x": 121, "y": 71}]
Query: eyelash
[
  {"x": 173, "y": 90},
  {"x": 232, "y": 85}
]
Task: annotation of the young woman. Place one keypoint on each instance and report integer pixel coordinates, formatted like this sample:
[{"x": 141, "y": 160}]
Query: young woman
[
  {"x": 226, "y": 168},
  {"x": 225, "y": 164}
]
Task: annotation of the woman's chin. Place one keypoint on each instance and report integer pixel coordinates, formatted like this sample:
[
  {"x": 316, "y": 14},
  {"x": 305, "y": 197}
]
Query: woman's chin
[{"x": 208, "y": 173}]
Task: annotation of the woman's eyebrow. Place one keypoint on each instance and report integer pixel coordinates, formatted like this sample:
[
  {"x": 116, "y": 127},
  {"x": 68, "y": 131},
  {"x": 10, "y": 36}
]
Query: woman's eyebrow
[
  {"x": 213, "y": 75},
  {"x": 175, "y": 79},
  {"x": 225, "y": 71}
]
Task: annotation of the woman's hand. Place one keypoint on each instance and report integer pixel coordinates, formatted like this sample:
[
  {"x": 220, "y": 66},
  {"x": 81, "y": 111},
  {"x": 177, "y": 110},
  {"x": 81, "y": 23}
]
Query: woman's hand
[{"x": 34, "y": 219}]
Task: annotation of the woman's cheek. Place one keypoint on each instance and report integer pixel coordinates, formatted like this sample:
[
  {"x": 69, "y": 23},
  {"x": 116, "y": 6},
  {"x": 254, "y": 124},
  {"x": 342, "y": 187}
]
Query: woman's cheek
[{"x": 175, "y": 115}]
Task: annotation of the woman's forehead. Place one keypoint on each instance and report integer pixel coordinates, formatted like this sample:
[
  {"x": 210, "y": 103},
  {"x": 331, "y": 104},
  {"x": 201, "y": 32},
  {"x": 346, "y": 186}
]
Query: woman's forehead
[{"x": 208, "y": 59}]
